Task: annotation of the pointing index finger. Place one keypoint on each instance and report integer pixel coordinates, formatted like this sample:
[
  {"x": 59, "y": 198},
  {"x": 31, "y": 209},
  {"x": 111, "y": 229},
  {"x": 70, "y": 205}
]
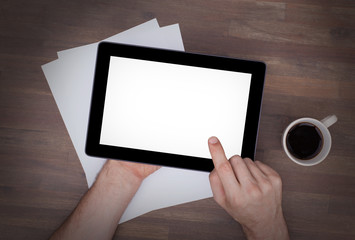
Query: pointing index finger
[{"x": 222, "y": 166}]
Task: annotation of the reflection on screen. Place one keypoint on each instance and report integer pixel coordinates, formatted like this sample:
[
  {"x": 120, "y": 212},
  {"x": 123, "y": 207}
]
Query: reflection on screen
[{"x": 173, "y": 108}]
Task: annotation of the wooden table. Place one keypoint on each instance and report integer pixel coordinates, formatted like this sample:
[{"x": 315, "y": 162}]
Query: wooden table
[{"x": 309, "y": 49}]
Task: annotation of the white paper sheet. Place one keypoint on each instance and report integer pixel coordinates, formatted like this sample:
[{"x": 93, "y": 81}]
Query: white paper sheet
[{"x": 71, "y": 77}]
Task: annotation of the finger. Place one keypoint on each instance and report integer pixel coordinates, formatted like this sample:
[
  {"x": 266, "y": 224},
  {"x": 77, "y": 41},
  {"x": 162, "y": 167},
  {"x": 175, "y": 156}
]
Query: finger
[
  {"x": 241, "y": 170},
  {"x": 222, "y": 166},
  {"x": 271, "y": 174},
  {"x": 266, "y": 169},
  {"x": 255, "y": 170},
  {"x": 217, "y": 188}
]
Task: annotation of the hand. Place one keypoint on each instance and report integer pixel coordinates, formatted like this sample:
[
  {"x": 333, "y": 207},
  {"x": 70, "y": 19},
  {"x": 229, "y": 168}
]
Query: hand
[
  {"x": 99, "y": 211},
  {"x": 250, "y": 192}
]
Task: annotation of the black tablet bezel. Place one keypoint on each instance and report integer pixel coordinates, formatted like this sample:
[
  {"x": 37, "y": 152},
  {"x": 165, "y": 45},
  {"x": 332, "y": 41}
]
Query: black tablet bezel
[{"x": 106, "y": 50}]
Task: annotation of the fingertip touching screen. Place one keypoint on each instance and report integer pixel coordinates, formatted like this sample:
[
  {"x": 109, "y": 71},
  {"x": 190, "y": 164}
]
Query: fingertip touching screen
[{"x": 160, "y": 107}]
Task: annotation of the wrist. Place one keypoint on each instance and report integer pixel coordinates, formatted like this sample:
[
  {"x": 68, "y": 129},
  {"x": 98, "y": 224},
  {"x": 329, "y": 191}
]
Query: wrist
[
  {"x": 272, "y": 229},
  {"x": 116, "y": 177}
]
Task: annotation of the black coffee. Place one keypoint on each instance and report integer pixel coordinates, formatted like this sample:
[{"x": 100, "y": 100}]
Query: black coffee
[{"x": 304, "y": 141}]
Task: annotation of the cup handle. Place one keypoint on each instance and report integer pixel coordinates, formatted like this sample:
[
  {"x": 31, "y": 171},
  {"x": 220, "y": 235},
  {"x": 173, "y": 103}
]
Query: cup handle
[{"x": 330, "y": 120}]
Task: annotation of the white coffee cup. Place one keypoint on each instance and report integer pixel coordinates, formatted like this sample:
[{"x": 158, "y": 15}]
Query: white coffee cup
[{"x": 323, "y": 126}]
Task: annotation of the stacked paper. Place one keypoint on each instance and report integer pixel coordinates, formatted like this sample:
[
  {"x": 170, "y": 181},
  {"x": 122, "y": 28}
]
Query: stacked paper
[{"x": 70, "y": 78}]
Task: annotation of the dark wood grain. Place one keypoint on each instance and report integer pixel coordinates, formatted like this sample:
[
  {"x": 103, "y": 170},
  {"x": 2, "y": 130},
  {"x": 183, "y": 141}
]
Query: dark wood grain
[{"x": 309, "y": 49}]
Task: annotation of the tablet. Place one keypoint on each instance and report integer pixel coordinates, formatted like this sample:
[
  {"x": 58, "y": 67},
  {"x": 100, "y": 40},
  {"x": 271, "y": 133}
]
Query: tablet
[{"x": 160, "y": 106}]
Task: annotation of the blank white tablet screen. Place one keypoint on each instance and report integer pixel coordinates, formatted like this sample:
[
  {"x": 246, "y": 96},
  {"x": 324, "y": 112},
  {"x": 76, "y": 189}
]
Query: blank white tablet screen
[{"x": 172, "y": 108}]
